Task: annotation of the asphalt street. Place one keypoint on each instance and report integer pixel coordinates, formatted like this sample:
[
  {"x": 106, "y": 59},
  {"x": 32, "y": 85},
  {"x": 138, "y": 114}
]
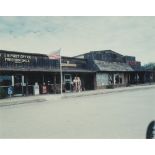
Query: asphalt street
[{"x": 114, "y": 115}]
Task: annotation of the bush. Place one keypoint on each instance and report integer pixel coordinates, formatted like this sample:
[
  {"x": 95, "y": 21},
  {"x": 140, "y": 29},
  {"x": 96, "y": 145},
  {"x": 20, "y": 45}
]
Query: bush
[{"x": 3, "y": 93}]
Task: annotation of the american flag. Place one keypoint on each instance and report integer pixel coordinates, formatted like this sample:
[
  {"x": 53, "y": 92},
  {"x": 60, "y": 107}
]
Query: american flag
[{"x": 55, "y": 55}]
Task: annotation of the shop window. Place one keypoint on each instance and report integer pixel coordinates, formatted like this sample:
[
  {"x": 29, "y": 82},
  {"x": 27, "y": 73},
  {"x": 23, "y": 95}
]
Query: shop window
[{"x": 5, "y": 80}]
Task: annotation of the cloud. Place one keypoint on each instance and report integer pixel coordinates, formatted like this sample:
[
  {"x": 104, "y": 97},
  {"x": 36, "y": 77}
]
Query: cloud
[{"x": 76, "y": 35}]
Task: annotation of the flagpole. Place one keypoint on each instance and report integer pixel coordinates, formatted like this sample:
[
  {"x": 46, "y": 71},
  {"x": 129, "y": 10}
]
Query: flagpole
[
  {"x": 57, "y": 56},
  {"x": 60, "y": 74}
]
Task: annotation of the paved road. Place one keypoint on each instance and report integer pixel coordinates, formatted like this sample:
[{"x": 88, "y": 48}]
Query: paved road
[{"x": 114, "y": 115}]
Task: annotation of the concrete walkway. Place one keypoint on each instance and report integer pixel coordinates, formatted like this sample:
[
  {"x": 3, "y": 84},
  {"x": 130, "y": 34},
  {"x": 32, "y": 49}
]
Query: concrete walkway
[
  {"x": 27, "y": 99},
  {"x": 107, "y": 91},
  {"x": 43, "y": 98}
]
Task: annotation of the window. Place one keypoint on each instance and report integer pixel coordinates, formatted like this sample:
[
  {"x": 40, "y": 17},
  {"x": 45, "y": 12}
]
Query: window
[
  {"x": 5, "y": 80},
  {"x": 117, "y": 79}
]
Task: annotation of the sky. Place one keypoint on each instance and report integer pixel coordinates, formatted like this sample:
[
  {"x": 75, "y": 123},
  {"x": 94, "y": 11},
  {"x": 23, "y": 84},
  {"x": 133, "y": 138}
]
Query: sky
[{"x": 75, "y": 35}]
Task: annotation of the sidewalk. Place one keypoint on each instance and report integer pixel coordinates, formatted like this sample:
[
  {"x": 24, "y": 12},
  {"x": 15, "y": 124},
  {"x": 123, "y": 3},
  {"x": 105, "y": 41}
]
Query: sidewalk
[
  {"x": 28, "y": 99},
  {"x": 43, "y": 98},
  {"x": 107, "y": 91}
]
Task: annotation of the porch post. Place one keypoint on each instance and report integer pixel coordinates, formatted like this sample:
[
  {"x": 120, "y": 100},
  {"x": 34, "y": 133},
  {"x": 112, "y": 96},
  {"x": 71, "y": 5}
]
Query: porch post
[
  {"x": 55, "y": 83},
  {"x": 95, "y": 84},
  {"x": 13, "y": 83},
  {"x": 113, "y": 78},
  {"x": 23, "y": 84},
  {"x": 26, "y": 80},
  {"x": 43, "y": 79},
  {"x": 129, "y": 78},
  {"x": 136, "y": 78}
]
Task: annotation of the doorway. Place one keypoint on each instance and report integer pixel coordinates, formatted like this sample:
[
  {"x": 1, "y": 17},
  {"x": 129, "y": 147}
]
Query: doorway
[
  {"x": 68, "y": 82},
  {"x": 18, "y": 85}
]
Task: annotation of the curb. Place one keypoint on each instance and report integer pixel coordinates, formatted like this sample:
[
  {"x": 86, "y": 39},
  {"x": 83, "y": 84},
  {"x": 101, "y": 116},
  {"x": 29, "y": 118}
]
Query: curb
[
  {"x": 107, "y": 91},
  {"x": 21, "y": 102}
]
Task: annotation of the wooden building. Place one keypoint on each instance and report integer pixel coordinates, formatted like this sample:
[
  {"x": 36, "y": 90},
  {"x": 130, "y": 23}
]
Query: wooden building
[
  {"x": 22, "y": 71},
  {"x": 115, "y": 70},
  {"x": 96, "y": 69}
]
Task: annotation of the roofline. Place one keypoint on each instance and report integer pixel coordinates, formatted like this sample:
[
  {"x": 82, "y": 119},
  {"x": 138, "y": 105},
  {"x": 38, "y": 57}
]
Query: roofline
[
  {"x": 27, "y": 53},
  {"x": 98, "y": 51},
  {"x": 81, "y": 54},
  {"x": 106, "y": 51}
]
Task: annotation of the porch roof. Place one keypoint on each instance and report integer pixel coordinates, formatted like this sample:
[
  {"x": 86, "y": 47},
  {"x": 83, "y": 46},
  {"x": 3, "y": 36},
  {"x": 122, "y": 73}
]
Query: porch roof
[
  {"x": 112, "y": 66},
  {"x": 77, "y": 70}
]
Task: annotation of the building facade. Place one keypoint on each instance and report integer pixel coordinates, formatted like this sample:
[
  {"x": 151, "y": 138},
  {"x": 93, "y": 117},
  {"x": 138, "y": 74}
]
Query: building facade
[
  {"x": 96, "y": 69},
  {"x": 23, "y": 70},
  {"x": 115, "y": 70}
]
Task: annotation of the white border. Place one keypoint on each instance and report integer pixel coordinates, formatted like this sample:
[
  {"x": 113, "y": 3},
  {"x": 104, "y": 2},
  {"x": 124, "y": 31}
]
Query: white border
[
  {"x": 77, "y": 8},
  {"x": 77, "y": 147}
]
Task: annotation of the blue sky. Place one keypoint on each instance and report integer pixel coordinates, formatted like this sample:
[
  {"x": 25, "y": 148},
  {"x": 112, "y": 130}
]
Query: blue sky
[{"x": 76, "y": 35}]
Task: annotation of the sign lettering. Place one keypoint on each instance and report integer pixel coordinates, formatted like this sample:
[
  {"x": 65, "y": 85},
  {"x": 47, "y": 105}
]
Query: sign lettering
[{"x": 17, "y": 58}]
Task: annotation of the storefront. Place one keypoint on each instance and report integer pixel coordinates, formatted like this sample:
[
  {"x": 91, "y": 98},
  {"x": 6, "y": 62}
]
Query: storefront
[
  {"x": 86, "y": 79},
  {"x": 77, "y": 68},
  {"x": 32, "y": 74},
  {"x": 22, "y": 71},
  {"x": 25, "y": 73}
]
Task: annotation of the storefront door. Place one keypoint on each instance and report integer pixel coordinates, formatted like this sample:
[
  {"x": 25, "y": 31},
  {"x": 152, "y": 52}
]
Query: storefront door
[
  {"x": 18, "y": 85},
  {"x": 68, "y": 81}
]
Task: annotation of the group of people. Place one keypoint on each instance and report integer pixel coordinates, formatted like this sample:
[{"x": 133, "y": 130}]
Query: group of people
[{"x": 77, "y": 84}]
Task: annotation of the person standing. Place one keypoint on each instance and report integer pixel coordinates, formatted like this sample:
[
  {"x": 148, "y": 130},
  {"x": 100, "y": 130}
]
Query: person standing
[
  {"x": 78, "y": 84},
  {"x": 75, "y": 84}
]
